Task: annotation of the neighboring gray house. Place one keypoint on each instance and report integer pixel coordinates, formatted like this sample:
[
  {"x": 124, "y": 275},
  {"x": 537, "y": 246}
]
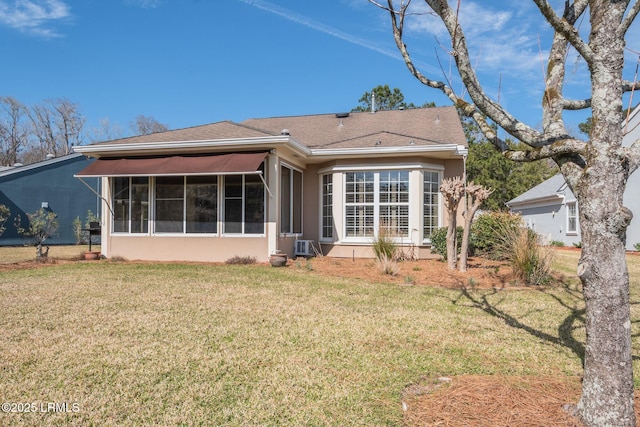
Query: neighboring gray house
[
  {"x": 551, "y": 210},
  {"x": 49, "y": 184}
]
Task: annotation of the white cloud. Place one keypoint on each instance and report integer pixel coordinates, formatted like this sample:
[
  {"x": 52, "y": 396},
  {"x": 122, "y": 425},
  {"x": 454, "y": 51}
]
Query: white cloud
[
  {"x": 323, "y": 28},
  {"x": 145, "y": 4},
  {"x": 34, "y": 16}
]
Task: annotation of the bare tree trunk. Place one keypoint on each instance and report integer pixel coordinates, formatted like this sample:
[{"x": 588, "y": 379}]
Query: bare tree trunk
[
  {"x": 452, "y": 242},
  {"x": 607, "y": 388},
  {"x": 476, "y": 194}
]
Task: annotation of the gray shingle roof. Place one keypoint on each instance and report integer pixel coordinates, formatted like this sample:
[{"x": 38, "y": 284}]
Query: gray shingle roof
[
  {"x": 423, "y": 126},
  {"x": 420, "y": 126},
  {"x": 551, "y": 187},
  {"x": 219, "y": 130}
]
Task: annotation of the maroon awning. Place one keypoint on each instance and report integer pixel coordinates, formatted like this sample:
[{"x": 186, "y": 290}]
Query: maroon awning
[{"x": 235, "y": 163}]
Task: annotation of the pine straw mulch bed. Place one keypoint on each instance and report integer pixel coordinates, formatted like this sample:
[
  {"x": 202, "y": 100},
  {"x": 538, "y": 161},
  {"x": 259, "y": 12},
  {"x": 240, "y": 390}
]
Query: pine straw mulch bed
[{"x": 481, "y": 274}]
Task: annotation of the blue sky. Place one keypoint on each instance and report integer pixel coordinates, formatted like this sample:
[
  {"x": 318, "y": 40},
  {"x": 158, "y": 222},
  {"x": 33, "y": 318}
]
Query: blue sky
[{"x": 191, "y": 62}]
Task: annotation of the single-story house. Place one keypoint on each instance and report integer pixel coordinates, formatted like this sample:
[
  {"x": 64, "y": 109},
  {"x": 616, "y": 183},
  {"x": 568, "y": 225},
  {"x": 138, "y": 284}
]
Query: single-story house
[
  {"x": 48, "y": 184},
  {"x": 551, "y": 209},
  {"x": 328, "y": 182}
]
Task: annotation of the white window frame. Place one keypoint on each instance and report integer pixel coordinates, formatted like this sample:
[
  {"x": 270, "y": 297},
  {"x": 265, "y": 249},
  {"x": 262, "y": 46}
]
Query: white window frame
[
  {"x": 328, "y": 207},
  {"x": 439, "y": 204},
  {"x": 292, "y": 202},
  {"x": 222, "y": 209},
  {"x": 573, "y": 205},
  {"x": 149, "y": 207}
]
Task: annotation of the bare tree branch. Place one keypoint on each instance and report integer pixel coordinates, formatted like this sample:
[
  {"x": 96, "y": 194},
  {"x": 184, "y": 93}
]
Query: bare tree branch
[
  {"x": 631, "y": 16},
  {"x": 633, "y": 154},
  {"x": 559, "y": 148},
  {"x": 565, "y": 27},
  {"x": 573, "y": 105},
  {"x": 628, "y": 86}
]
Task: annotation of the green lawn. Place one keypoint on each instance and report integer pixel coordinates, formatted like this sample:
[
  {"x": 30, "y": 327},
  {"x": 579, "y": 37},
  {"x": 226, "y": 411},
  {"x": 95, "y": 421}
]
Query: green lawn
[{"x": 177, "y": 344}]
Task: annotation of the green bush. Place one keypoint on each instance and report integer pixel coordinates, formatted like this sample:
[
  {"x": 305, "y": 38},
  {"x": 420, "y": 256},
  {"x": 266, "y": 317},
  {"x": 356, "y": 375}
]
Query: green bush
[
  {"x": 557, "y": 243},
  {"x": 439, "y": 241},
  {"x": 637, "y": 247},
  {"x": 488, "y": 231}
]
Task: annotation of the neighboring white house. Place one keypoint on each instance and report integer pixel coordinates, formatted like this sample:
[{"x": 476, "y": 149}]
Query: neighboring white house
[{"x": 551, "y": 210}]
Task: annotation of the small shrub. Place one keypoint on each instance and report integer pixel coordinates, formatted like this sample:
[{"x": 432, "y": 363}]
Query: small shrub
[
  {"x": 77, "y": 231},
  {"x": 384, "y": 245},
  {"x": 530, "y": 263},
  {"x": 238, "y": 260},
  {"x": 579, "y": 245},
  {"x": 637, "y": 247},
  {"x": 43, "y": 224},
  {"x": 388, "y": 265},
  {"x": 439, "y": 241},
  {"x": 4, "y": 216},
  {"x": 557, "y": 243}
]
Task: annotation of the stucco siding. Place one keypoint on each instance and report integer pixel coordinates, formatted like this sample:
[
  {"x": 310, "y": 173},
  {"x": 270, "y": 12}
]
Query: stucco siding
[{"x": 191, "y": 248}]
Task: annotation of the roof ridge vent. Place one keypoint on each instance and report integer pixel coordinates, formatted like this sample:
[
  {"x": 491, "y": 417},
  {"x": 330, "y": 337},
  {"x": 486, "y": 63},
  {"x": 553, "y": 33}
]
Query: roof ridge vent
[{"x": 284, "y": 132}]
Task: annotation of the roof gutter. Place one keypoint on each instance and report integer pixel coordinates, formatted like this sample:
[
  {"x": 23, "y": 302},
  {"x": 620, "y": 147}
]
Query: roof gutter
[
  {"x": 455, "y": 149},
  {"x": 105, "y": 149},
  {"x": 537, "y": 201}
]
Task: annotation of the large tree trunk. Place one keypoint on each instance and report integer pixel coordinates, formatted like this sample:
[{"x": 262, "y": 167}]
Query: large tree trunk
[{"x": 607, "y": 389}]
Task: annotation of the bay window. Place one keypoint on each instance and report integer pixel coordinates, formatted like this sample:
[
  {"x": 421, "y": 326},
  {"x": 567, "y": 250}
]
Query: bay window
[{"x": 385, "y": 201}]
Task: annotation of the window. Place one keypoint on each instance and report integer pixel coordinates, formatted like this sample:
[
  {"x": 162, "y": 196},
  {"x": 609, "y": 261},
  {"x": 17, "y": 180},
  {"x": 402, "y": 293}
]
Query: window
[
  {"x": 572, "y": 218},
  {"x": 394, "y": 203},
  {"x": 131, "y": 204},
  {"x": 359, "y": 204},
  {"x": 290, "y": 200},
  {"x": 327, "y": 206},
  {"x": 186, "y": 204},
  {"x": 431, "y": 195},
  {"x": 189, "y": 204},
  {"x": 202, "y": 204},
  {"x": 243, "y": 204},
  {"x": 377, "y": 200},
  {"x": 169, "y": 215}
]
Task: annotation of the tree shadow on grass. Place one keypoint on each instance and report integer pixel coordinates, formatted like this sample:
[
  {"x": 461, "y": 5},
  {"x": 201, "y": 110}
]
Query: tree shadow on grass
[
  {"x": 575, "y": 320},
  {"x": 566, "y": 338}
]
